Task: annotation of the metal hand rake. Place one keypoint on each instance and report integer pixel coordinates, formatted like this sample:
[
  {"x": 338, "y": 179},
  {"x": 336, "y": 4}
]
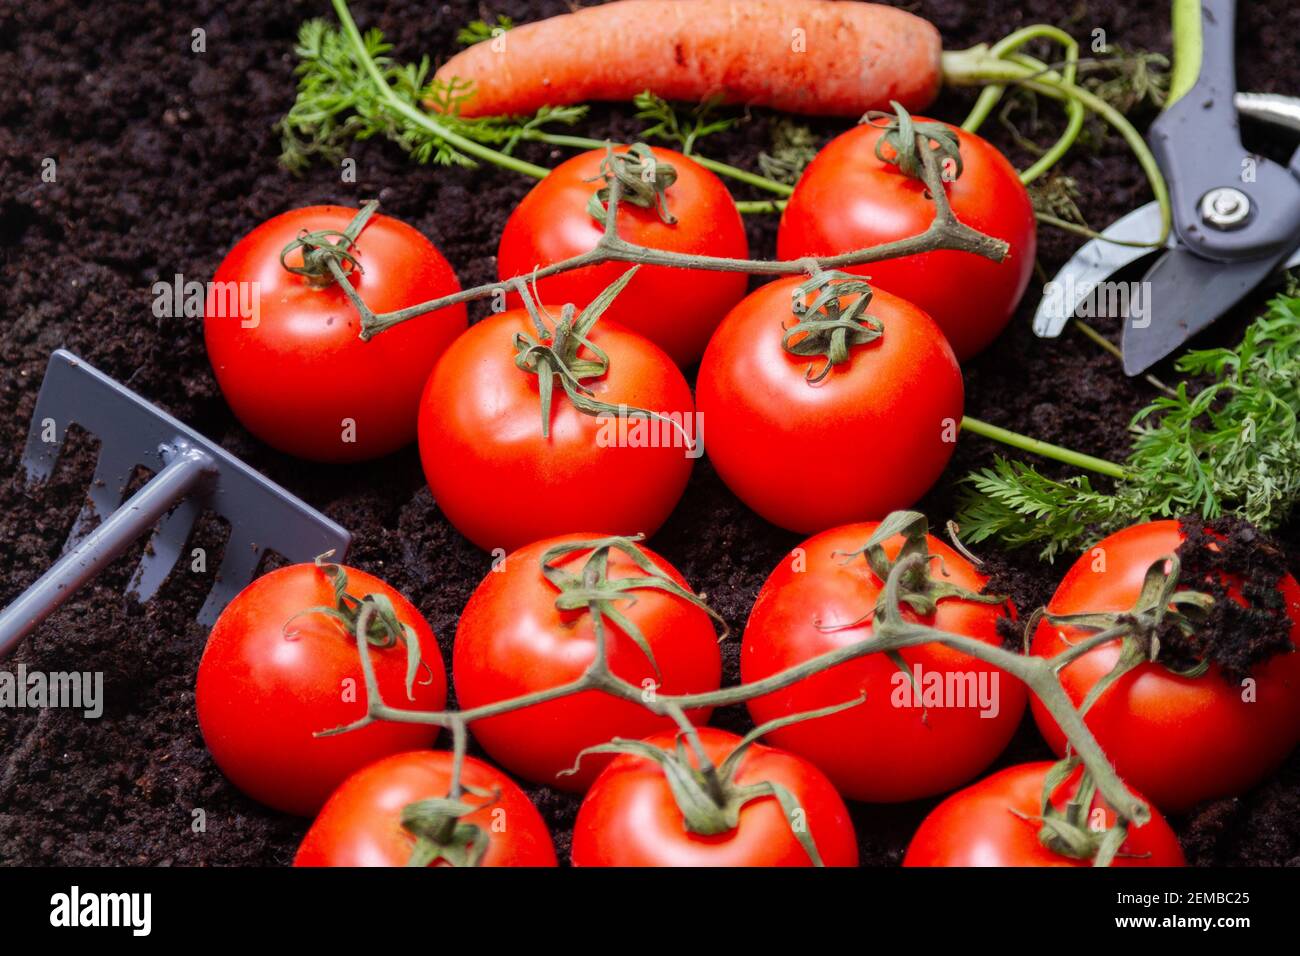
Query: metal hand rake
[{"x": 191, "y": 474}]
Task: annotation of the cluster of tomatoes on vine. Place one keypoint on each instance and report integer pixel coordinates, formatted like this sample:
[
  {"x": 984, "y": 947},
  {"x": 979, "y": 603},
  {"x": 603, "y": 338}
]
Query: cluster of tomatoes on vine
[{"x": 811, "y": 440}]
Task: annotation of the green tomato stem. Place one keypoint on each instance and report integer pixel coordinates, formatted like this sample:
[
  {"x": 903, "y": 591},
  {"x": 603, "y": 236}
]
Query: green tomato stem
[
  {"x": 944, "y": 232},
  {"x": 889, "y": 632}
]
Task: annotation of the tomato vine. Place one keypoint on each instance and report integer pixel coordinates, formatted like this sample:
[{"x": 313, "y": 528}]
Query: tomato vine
[
  {"x": 925, "y": 150},
  {"x": 891, "y": 632}
]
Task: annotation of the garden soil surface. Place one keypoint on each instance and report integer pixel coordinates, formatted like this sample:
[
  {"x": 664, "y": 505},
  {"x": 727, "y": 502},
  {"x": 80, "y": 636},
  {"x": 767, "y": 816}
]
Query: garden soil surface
[{"x": 166, "y": 156}]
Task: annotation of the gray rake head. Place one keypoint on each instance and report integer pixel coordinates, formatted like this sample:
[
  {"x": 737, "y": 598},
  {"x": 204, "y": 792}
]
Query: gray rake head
[{"x": 191, "y": 475}]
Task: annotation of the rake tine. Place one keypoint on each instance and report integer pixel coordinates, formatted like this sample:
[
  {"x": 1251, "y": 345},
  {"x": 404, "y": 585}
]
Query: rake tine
[
  {"x": 164, "y": 550},
  {"x": 46, "y": 435},
  {"x": 186, "y": 469},
  {"x": 113, "y": 471},
  {"x": 238, "y": 567}
]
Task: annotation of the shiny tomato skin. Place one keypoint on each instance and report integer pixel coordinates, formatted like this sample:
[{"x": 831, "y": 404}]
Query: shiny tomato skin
[
  {"x": 296, "y": 378},
  {"x": 677, "y": 309},
  {"x": 513, "y": 641},
  {"x": 876, "y": 752},
  {"x": 629, "y": 817},
  {"x": 848, "y": 199},
  {"x": 262, "y": 693},
  {"x": 978, "y": 826},
  {"x": 874, "y": 435},
  {"x": 360, "y": 824},
  {"x": 1179, "y": 740},
  {"x": 502, "y": 484}
]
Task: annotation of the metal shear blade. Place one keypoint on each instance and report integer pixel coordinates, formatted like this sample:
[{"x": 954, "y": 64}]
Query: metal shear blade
[
  {"x": 1099, "y": 259},
  {"x": 1236, "y": 217}
]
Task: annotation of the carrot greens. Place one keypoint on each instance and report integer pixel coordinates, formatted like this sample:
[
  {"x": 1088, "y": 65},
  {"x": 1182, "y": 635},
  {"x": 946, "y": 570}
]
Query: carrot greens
[
  {"x": 350, "y": 89},
  {"x": 1231, "y": 446}
]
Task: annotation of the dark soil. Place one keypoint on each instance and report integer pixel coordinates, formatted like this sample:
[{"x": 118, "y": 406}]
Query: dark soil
[
  {"x": 165, "y": 157},
  {"x": 1237, "y": 637}
]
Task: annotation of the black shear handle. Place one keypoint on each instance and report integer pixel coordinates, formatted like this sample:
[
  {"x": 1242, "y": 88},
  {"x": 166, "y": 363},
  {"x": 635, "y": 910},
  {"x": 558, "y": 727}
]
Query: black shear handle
[{"x": 1197, "y": 143}]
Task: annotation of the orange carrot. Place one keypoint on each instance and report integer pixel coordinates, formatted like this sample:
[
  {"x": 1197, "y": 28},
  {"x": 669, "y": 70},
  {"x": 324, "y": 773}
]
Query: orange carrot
[{"x": 821, "y": 57}]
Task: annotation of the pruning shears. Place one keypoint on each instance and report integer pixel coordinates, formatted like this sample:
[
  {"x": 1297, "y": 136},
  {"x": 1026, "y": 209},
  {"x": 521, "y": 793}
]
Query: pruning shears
[{"x": 1236, "y": 217}]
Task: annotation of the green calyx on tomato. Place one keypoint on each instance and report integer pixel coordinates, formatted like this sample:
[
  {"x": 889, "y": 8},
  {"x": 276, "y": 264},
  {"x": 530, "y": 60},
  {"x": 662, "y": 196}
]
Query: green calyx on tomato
[
  {"x": 1069, "y": 830},
  {"x": 857, "y": 193},
  {"x": 558, "y": 354},
  {"x": 643, "y": 181},
  {"x": 324, "y": 258},
  {"x": 441, "y": 833},
  {"x": 902, "y": 135},
  {"x": 997, "y": 822},
  {"x": 1160, "y": 609},
  {"x": 372, "y": 615},
  {"x": 707, "y": 795},
  {"x": 916, "y": 586},
  {"x": 592, "y": 589},
  {"x": 825, "y": 327}
]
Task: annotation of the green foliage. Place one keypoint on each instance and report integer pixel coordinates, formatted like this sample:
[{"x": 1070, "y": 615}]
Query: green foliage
[
  {"x": 1129, "y": 80},
  {"x": 338, "y": 103},
  {"x": 1132, "y": 79},
  {"x": 1016, "y": 505},
  {"x": 793, "y": 148},
  {"x": 683, "y": 128},
  {"x": 1231, "y": 447},
  {"x": 1057, "y": 195},
  {"x": 476, "y": 31}
]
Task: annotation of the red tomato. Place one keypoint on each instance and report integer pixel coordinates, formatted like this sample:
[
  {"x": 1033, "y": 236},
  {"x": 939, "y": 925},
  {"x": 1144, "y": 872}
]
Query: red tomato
[
  {"x": 676, "y": 309},
  {"x": 360, "y": 824},
  {"x": 272, "y": 676},
  {"x": 300, "y": 379},
  {"x": 889, "y": 748},
  {"x": 1179, "y": 740},
  {"x": 512, "y": 640},
  {"x": 629, "y": 817},
  {"x": 979, "y": 826},
  {"x": 502, "y": 484},
  {"x": 872, "y": 436},
  {"x": 848, "y": 199}
]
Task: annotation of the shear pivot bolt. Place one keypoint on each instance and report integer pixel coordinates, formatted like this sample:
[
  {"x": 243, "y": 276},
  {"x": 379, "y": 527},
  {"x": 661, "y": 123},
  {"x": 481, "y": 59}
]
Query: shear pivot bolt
[{"x": 1225, "y": 207}]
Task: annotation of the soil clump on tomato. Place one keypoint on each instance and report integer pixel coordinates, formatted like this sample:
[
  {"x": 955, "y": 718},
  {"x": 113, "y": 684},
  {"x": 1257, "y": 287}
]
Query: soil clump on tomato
[{"x": 1236, "y": 637}]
